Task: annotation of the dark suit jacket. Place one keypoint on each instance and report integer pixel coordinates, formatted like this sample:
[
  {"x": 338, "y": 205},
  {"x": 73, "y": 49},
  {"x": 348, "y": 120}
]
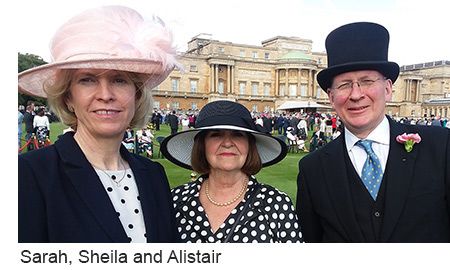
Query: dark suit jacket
[
  {"x": 417, "y": 203},
  {"x": 61, "y": 198}
]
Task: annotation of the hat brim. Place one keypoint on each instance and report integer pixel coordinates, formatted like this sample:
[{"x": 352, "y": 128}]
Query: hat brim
[
  {"x": 389, "y": 69},
  {"x": 178, "y": 147},
  {"x": 31, "y": 81}
]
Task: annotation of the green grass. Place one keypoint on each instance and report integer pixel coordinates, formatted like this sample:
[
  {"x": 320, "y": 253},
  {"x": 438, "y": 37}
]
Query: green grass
[{"x": 282, "y": 175}]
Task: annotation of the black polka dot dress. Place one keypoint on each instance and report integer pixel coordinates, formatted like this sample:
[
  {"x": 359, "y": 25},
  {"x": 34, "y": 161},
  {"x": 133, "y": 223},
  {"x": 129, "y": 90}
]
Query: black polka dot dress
[
  {"x": 270, "y": 217},
  {"x": 125, "y": 199}
]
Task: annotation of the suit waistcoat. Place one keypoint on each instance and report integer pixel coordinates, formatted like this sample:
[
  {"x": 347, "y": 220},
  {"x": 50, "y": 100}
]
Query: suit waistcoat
[{"x": 369, "y": 213}]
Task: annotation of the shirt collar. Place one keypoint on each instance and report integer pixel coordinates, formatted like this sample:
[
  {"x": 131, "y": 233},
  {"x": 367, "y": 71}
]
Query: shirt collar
[{"x": 381, "y": 135}]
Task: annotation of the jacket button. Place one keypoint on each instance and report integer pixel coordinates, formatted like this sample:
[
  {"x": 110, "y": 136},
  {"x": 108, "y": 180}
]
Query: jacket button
[{"x": 377, "y": 214}]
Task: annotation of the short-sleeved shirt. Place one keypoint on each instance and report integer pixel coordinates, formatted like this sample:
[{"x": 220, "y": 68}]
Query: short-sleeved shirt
[{"x": 270, "y": 217}]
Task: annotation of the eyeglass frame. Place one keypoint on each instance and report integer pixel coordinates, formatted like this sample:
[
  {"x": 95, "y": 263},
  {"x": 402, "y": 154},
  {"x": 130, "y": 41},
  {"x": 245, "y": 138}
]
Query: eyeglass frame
[{"x": 363, "y": 84}]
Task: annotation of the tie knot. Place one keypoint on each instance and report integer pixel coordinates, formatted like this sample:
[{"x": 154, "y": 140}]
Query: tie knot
[{"x": 366, "y": 145}]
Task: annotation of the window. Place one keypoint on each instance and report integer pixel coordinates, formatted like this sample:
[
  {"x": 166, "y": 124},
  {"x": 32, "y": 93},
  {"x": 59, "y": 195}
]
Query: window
[
  {"x": 156, "y": 105},
  {"x": 255, "y": 88},
  {"x": 303, "y": 90},
  {"x": 255, "y": 54},
  {"x": 175, "y": 84},
  {"x": 193, "y": 68},
  {"x": 319, "y": 92},
  {"x": 193, "y": 84},
  {"x": 255, "y": 108},
  {"x": 242, "y": 88},
  {"x": 282, "y": 90},
  {"x": 194, "y": 106},
  {"x": 266, "y": 55},
  {"x": 175, "y": 105},
  {"x": 242, "y": 53},
  {"x": 221, "y": 49},
  {"x": 221, "y": 87},
  {"x": 292, "y": 90},
  {"x": 266, "y": 89},
  {"x": 267, "y": 108}
]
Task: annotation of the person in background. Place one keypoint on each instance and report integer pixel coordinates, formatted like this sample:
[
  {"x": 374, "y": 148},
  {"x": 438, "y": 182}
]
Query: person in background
[
  {"x": 173, "y": 120},
  {"x": 384, "y": 181},
  {"x": 20, "y": 121},
  {"x": 41, "y": 122},
  {"x": 28, "y": 118},
  {"x": 87, "y": 187},
  {"x": 226, "y": 203}
]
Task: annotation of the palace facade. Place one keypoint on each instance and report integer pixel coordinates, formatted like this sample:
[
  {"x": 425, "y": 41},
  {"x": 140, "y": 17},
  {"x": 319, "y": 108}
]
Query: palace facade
[{"x": 282, "y": 69}]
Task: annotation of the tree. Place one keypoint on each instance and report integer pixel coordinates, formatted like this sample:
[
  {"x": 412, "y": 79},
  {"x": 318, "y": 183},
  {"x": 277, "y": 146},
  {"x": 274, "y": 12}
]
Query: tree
[{"x": 27, "y": 61}]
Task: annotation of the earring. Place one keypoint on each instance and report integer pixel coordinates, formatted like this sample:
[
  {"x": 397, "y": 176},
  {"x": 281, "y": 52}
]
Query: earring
[{"x": 70, "y": 108}]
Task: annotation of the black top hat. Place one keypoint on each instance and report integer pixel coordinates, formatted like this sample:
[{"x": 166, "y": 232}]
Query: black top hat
[
  {"x": 219, "y": 115},
  {"x": 357, "y": 46}
]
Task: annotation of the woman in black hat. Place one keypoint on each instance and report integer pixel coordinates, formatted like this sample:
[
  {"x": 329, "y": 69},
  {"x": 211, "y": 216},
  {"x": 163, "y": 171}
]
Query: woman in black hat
[{"x": 226, "y": 203}]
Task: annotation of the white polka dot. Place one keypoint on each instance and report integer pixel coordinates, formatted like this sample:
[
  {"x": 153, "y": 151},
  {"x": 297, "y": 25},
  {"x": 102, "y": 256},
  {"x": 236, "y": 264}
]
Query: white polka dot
[
  {"x": 267, "y": 209},
  {"x": 236, "y": 237},
  {"x": 193, "y": 234},
  {"x": 274, "y": 215},
  {"x": 281, "y": 216},
  {"x": 193, "y": 203},
  {"x": 250, "y": 213},
  {"x": 244, "y": 230},
  {"x": 198, "y": 218},
  {"x": 183, "y": 236},
  {"x": 262, "y": 227},
  {"x": 203, "y": 233},
  {"x": 219, "y": 235},
  {"x": 191, "y": 213},
  {"x": 175, "y": 198},
  {"x": 185, "y": 208},
  {"x": 285, "y": 207},
  {"x": 253, "y": 233},
  {"x": 252, "y": 224},
  {"x": 263, "y": 237},
  {"x": 231, "y": 221},
  {"x": 283, "y": 234},
  {"x": 293, "y": 234},
  {"x": 278, "y": 198},
  {"x": 196, "y": 227},
  {"x": 287, "y": 225},
  {"x": 211, "y": 239},
  {"x": 245, "y": 239}
]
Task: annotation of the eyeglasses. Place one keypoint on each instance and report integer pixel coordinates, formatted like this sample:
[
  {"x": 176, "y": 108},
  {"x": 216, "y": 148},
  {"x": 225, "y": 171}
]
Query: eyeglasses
[{"x": 363, "y": 84}]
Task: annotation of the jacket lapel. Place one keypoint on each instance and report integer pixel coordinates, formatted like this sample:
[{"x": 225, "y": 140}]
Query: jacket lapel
[
  {"x": 399, "y": 173},
  {"x": 91, "y": 191},
  {"x": 336, "y": 179}
]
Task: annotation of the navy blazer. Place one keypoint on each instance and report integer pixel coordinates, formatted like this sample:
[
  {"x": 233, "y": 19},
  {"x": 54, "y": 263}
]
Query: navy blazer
[
  {"x": 61, "y": 198},
  {"x": 417, "y": 203}
]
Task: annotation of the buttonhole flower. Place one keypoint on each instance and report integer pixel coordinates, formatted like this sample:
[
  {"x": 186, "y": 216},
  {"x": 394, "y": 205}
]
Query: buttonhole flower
[{"x": 409, "y": 140}]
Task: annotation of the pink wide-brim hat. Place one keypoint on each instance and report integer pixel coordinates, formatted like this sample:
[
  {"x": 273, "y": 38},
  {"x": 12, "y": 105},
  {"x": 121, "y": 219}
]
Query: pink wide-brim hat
[{"x": 110, "y": 38}]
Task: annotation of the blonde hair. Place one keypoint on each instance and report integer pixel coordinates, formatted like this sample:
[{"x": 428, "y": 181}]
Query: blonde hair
[{"x": 58, "y": 93}]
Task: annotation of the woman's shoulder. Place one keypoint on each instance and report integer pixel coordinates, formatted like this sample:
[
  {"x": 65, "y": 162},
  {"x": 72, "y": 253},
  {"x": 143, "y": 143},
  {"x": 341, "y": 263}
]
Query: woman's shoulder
[
  {"x": 184, "y": 191},
  {"x": 269, "y": 191}
]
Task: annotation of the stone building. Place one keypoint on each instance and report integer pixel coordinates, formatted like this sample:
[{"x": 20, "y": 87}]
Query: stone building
[{"x": 282, "y": 69}]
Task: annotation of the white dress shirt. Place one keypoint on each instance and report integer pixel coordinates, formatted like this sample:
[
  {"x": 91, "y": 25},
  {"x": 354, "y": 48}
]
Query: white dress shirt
[{"x": 380, "y": 137}]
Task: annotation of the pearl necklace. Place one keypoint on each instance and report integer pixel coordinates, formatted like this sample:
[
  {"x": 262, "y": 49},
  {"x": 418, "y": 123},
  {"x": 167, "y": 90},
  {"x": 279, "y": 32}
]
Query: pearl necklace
[
  {"x": 244, "y": 187},
  {"x": 113, "y": 177}
]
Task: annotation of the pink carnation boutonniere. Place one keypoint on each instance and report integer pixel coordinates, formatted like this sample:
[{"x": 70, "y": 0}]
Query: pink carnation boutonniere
[{"x": 409, "y": 140}]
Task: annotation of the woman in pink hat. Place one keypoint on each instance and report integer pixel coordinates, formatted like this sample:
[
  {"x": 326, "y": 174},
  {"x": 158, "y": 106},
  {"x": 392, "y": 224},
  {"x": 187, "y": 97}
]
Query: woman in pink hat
[{"x": 87, "y": 187}]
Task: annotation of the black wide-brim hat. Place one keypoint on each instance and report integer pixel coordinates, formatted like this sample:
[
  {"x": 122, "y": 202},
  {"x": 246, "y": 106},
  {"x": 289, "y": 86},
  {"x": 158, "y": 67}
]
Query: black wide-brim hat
[
  {"x": 222, "y": 115},
  {"x": 357, "y": 46}
]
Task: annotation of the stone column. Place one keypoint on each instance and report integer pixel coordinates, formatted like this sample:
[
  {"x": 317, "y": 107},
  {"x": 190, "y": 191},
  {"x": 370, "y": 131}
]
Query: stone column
[
  {"x": 228, "y": 79},
  {"x": 232, "y": 79},
  {"x": 211, "y": 79},
  {"x": 216, "y": 78},
  {"x": 286, "y": 84},
  {"x": 299, "y": 82},
  {"x": 277, "y": 86}
]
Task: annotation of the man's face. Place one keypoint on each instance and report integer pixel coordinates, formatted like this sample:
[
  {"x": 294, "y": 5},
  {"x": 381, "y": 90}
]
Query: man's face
[{"x": 359, "y": 98}]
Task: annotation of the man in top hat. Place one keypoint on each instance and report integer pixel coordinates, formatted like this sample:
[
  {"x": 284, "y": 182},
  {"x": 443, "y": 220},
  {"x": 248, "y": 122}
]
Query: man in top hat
[{"x": 381, "y": 181}]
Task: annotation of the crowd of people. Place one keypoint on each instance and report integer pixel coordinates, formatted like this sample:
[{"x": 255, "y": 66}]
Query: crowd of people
[{"x": 365, "y": 178}]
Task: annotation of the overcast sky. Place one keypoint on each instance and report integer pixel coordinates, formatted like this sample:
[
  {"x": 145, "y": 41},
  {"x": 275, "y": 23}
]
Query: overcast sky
[{"x": 419, "y": 29}]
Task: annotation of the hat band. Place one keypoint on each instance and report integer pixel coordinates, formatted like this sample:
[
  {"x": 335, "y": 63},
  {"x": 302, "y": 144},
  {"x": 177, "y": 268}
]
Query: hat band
[{"x": 226, "y": 120}]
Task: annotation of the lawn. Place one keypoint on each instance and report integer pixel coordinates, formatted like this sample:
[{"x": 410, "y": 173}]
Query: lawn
[{"x": 282, "y": 175}]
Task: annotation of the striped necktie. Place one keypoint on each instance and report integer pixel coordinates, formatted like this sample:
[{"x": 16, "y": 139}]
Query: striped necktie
[{"x": 372, "y": 173}]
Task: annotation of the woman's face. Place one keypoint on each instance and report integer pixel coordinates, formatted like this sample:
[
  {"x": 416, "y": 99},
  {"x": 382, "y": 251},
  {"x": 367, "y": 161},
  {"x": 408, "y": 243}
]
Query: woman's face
[
  {"x": 103, "y": 101},
  {"x": 226, "y": 150}
]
